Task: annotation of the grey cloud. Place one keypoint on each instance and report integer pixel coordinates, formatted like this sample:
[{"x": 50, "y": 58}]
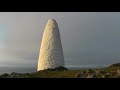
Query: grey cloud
[{"x": 87, "y": 37}]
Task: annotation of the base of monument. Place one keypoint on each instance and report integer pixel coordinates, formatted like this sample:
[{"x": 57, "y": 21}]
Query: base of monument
[{"x": 56, "y": 69}]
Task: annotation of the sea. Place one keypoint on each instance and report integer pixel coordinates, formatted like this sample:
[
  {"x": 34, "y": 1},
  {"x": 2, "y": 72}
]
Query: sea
[{"x": 34, "y": 69}]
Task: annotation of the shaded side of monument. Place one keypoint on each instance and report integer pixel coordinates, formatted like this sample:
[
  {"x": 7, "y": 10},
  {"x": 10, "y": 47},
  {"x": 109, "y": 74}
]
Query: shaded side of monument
[{"x": 51, "y": 52}]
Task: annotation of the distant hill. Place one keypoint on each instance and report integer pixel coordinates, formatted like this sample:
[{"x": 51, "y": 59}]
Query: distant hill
[{"x": 115, "y": 65}]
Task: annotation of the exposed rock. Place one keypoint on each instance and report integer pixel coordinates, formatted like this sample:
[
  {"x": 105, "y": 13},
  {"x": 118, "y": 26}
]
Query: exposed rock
[
  {"x": 91, "y": 76},
  {"x": 98, "y": 72},
  {"x": 103, "y": 76},
  {"x": 118, "y": 72},
  {"x": 79, "y": 75}
]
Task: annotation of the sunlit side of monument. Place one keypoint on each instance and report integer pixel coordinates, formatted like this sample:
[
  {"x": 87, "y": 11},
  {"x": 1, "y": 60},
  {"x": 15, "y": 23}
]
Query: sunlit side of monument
[{"x": 51, "y": 52}]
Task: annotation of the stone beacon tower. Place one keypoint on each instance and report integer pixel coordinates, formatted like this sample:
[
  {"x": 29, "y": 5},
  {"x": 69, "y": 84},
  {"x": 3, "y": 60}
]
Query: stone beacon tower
[{"x": 51, "y": 52}]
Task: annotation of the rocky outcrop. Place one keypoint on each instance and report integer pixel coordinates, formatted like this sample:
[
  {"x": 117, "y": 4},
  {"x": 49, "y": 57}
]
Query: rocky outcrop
[
  {"x": 98, "y": 73},
  {"x": 110, "y": 71}
]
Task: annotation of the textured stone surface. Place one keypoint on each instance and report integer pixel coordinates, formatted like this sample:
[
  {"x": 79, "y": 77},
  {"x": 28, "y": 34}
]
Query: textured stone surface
[{"x": 51, "y": 53}]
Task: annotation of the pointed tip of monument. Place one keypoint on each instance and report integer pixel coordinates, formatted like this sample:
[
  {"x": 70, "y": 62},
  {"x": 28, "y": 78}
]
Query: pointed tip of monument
[{"x": 51, "y": 20}]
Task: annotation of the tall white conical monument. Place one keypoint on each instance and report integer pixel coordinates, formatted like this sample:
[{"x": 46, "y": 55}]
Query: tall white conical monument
[{"x": 51, "y": 52}]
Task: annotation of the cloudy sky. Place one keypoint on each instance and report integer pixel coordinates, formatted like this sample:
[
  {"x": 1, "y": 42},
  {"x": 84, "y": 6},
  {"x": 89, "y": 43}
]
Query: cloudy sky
[{"x": 88, "y": 38}]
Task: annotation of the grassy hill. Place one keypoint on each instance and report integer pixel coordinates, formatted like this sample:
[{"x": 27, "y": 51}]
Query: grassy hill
[{"x": 112, "y": 71}]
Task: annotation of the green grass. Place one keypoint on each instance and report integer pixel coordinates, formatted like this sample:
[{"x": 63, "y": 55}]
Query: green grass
[
  {"x": 72, "y": 73},
  {"x": 69, "y": 73},
  {"x": 55, "y": 74}
]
